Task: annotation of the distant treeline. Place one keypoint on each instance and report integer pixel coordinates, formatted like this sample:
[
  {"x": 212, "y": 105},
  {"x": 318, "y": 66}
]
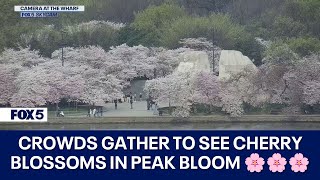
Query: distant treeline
[{"x": 231, "y": 24}]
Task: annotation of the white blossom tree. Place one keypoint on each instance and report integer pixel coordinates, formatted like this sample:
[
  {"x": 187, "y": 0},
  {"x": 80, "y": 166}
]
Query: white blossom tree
[
  {"x": 8, "y": 74},
  {"x": 207, "y": 89},
  {"x": 92, "y": 75},
  {"x": 90, "y": 65},
  {"x": 12, "y": 64},
  {"x": 23, "y": 57}
]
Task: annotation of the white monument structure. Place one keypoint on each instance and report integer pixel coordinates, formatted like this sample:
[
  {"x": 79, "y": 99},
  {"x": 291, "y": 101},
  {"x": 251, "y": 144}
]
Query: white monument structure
[
  {"x": 233, "y": 62},
  {"x": 194, "y": 61},
  {"x": 191, "y": 63},
  {"x": 230, "y": 62}
]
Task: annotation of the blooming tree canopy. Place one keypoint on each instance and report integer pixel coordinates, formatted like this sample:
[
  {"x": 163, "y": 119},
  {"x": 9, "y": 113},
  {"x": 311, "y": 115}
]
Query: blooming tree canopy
[
  {"x": 92, "y": 75},
  {"x": 207, "y": 89},
  {"x": 23, "y": 57},
  {"x": 7, "y": 85}
]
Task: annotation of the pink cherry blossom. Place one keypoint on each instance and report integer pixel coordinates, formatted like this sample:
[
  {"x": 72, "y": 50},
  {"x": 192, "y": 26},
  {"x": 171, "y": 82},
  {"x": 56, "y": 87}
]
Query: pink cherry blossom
[
  {"x": 207, "y": 89},
  {"x": 255, "y": 163},
  {"x": 277, "y": 163},
  {"x": 299, "y": 163}
]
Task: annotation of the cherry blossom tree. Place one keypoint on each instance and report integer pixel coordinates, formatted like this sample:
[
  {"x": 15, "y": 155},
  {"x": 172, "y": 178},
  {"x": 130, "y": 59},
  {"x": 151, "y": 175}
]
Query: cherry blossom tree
[
  {"x": 182, "y": 89},
  {"x": 93, "y": 56},
  {"x": 30, "y": 80},
  {"x": 173, "y": 90},
  {"x": 311, "y": 92},
  {"x": 100, "y": 87},
  {"x": 23, "y": 57},
  {"x": 32, "y": 88},
  {"x": 302, "y": 83},
  {"x": 12, "y": 63},
  {"x": 133, "y": 61},
  {"x": 7, "y": 85},
  {"x": 92, "y": 67},
  {"x": 207, "y": 90},
  {"x": 167, "y": 60},
  {"x": 292, "y": 83},
  {"x": 45, "y": 83},
  {"x": 309, "y": 78},
  {"x": 92, "y": 75},
  {"x": 238, "y": 89}
]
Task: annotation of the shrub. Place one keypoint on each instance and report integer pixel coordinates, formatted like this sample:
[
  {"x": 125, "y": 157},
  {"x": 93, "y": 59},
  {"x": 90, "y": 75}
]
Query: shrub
[{"x": 304, "y": 46}]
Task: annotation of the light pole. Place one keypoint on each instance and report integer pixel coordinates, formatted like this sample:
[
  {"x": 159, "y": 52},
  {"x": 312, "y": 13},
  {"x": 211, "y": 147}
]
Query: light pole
[
  {"x": 213, "y": 60},
  {"x": 155, "y": 73},
  {"x": 213, "y": 38},
  {"x": 62, "y": 45}
]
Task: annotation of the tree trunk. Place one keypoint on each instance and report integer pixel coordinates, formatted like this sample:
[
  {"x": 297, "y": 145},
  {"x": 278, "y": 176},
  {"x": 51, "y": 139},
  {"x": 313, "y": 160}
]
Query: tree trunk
[
  {"x": 57, "y": 107},
  {"x": 170, "y": 111},
  {"x": 213, "y": 62}
]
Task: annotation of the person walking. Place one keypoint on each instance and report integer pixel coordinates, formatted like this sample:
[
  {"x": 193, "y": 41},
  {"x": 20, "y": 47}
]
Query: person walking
[
  {"x": 115, "y": 104},
  {"x": 131, "y": 102},
  {"x": 128, "y": 98},
  {"x": 140, "y": 97},
  {"x": 94, "y": 111},
  {"x": 89, "y": 112},
  {"x": 97, "y": 112},
  {"x": 61, "y": 114},
  {"x": 58, "y": 112},
  {"x": 124, "y": 98},
  {"x": 155, "y": 111},
  {"x": 148, "y": 103}
]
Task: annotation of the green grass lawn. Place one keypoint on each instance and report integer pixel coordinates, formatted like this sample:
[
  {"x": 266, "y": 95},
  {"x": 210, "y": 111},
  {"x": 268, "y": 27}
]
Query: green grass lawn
[{"x": 69, "y": 112}]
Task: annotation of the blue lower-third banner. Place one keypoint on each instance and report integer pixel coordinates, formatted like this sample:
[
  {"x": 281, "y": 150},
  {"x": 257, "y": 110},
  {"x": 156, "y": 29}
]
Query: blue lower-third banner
[{"x": 159, "y": 154}]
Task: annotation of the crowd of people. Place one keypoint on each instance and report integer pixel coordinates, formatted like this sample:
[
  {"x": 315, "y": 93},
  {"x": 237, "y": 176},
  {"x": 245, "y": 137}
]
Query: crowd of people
[
  {"x": 93, "y": 112},
  {"x": 131, "y": 98},
  {"x": 128, "y": 98},
  {"x": 152, "y": 105}
]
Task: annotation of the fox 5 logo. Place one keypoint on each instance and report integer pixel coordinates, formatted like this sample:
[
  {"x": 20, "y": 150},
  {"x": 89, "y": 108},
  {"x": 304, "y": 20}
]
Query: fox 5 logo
[{"x": 23, "y": 114}]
